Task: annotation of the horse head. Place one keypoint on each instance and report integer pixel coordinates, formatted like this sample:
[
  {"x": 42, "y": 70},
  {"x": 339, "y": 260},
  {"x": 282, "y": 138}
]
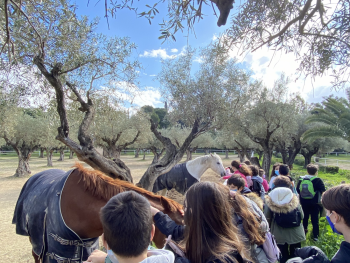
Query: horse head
[{"x": 216, "y": 164}]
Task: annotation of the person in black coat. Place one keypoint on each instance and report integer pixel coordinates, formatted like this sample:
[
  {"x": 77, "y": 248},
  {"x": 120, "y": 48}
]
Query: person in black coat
[{"x": 209, "y": 234}]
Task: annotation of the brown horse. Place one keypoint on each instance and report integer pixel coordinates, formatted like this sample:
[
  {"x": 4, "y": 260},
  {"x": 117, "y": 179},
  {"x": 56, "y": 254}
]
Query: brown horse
[{"x": 84, "y": 193}]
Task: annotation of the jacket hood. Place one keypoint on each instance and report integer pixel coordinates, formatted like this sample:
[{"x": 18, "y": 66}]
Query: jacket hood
[
  {"x": 258, "y": 178},
  {"x": 308, "y": 176},
  {"x": 246, "y": 190},
  {"x": 256, "y": 199},
  {"x": 281, "y": 200}
]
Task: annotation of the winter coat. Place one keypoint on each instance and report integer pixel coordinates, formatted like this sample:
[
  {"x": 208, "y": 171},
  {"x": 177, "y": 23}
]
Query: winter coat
[
  {"x": 265, "y": 185},
  {"x": 282, "y": 200},
  {"x": 255, "y": 198},
  {"x": 271, "y": 181}
]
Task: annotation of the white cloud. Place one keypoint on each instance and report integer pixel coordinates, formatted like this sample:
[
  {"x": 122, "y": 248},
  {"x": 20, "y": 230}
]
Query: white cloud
[
  {"x": 155, "y": 53},
  {"x": 215, "y": 37},
  {"x": 198, "y": 59},
  {"x": 268, "y": 67},
  {"x": 174, "y": 50},
  {"x": 150, "y": 96},
  {"x": 153, "y": 75}
]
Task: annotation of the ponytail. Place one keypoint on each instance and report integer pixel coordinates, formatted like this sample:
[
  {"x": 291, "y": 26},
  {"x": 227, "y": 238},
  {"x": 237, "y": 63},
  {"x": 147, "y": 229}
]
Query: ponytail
[{"x": 242, "y": 168}]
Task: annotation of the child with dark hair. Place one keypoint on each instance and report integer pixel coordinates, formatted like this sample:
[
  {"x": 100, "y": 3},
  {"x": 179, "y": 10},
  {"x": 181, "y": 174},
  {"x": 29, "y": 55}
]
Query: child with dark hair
[
  {"x": 283, "y": 170},
  {"x": 236, "y": 184},
  {"x": 257, "y": 186},
  {"x": 274, "y": 173},
  {"x": 310, "y": 188},
  {"x": 128, "y": 230},
  {"x": 265, "y": 183}
]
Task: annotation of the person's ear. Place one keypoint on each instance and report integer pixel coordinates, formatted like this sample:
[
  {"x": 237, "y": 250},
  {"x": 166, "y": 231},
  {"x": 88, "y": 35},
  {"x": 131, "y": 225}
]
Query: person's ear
[
  {"x": 337, "y": 217},
  {"x": 153, "y": 231}
]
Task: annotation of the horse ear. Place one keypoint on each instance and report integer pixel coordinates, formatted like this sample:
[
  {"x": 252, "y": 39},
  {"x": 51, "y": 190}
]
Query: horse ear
[{"x": 211, "y": 154}]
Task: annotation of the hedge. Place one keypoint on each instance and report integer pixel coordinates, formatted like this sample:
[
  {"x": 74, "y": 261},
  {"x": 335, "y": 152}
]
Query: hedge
[{"x": 329, "y": 169}]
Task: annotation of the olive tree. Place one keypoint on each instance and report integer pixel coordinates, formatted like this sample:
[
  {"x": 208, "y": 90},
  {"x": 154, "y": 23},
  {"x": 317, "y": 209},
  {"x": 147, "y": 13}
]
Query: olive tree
[
  {"x": 23, "y": 132},
  {"x": 197, "y": 100},
  {"x": 49, "y": 40}
]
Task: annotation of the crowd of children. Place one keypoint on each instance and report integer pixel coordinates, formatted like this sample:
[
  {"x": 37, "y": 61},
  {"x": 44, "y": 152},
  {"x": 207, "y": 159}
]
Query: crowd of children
[{"x": 244, "y": 220}]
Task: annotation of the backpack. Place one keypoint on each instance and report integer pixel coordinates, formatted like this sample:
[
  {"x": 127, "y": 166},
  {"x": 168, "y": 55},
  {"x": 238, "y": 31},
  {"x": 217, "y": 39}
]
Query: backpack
[
  {"x": 271, "y": 249},
  {"x": 288, "y": 220},
  {"x": 306, "y": 188},
  {"x": 256, "y": 187}
]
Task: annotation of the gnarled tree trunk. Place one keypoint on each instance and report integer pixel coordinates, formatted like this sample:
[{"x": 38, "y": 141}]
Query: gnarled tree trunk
[
  {"x": 85, "y": 150},
  {"x": 144, "y": 154},
  {"x": 71, "y": 154},
  {"x": 170, "y": 159},
  {"x": 41, "y": 152},
  {"x": 226, "y": 154},
  {"x": 61, "y": 159},
  {"x": 189, "y": 152},
  {"x": 137, "y": 152},
  {"x": 308, "y": 152},
  {"x": 156, "y": 155},
  {"x": 49, "y": 152},
  {"x": 24, "y": 154}
]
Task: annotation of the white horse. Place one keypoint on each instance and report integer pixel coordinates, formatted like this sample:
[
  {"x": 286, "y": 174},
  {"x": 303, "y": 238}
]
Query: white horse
[{"x": 183, "y": 176}]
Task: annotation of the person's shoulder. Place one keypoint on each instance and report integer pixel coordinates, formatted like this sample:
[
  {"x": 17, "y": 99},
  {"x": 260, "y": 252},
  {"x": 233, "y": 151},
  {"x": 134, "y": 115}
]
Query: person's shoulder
[{"x": 343, "y": 253}]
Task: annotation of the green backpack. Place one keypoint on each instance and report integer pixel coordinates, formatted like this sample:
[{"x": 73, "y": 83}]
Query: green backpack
[{"x": 306, "y": 188}]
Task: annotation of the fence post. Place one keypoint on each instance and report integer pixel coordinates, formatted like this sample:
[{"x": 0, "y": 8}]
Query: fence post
[
  {"x": 325, "y": 161},
  {"x": 337, "y": 162}
]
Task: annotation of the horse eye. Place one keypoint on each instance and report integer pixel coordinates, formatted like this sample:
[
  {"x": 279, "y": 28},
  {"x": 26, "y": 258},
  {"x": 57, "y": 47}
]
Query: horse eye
[{"x": 218, "y": 163}]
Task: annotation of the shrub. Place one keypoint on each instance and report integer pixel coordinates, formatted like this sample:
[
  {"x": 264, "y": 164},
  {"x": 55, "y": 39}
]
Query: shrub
[
  {"x": 299, "y": 162},
  {"x": 329, "y": 169}
]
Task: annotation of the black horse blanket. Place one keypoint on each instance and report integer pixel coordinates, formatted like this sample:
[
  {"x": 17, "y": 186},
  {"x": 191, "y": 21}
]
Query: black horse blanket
[
  {"x": 178, "y": 177},
  {"x": 38, "y": 215}
]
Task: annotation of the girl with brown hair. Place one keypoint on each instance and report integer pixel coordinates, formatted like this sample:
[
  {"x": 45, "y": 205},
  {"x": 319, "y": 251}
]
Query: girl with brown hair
[
  {"x": 210, "y": 234},
  {"x": 243, "y": 170}
]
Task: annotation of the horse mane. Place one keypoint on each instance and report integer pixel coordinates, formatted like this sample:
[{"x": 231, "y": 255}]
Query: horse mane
[{"x": 103, "y": 187}]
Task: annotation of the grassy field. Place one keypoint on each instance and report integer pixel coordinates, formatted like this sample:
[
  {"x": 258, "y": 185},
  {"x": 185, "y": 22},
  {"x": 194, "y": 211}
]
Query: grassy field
[{"x": 17, "y": 248}]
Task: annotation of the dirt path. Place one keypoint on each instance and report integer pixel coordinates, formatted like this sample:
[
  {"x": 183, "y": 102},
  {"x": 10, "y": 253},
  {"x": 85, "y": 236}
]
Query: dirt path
[{"x": 16, "y": 248}]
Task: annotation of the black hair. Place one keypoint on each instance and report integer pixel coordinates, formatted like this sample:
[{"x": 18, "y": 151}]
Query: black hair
[
  {"x": 127, "y": 224},
  {"x": 283, "y": 169}
]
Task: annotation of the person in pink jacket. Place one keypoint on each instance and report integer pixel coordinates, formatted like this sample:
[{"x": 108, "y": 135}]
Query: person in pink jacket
[
  {"x": 241, "y": 169},
  {"x": 265, "y": 183}
]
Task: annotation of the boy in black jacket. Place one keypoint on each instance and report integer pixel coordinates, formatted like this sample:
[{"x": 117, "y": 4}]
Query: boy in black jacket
[{"x": 310, "y": 204}]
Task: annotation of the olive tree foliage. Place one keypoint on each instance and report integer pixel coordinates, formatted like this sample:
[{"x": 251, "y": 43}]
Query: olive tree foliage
[
  {"x": 113, "y": 129},
  {"x": 266, "y": 113},
  {"x": 47, "y": 39},
  {"x": 23, "y": 132},
  {"x": 316, "y": 31},
  {"x": 196, "y": 99}
]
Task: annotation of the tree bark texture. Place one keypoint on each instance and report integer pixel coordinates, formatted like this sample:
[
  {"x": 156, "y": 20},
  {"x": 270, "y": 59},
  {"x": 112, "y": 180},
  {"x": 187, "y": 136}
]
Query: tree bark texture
[
  {"x": 24, "y": 154},
  {"x": 49, "y": 153},
  {"x": 61, "y": 159},
  {"x": 71, "y": 154},
  {"x": 226, "y": 154},
  {"x": 137, "y": 152},
  {"x": 267, "y": 161},
  {"x": 308, "y": 152},
  {"x": 170, "y": 159},
  {"x": 41, "y": 153},
  {"x": 85, "y": 150},
  {"x": 156, "y": 156},
  {"x": 144, "y": 154}
]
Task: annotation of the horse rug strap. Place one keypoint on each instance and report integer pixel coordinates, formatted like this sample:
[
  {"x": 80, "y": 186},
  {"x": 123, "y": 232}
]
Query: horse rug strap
[
  {"x": 38, "y": 215},
  {"x": 178, "y": 177}
]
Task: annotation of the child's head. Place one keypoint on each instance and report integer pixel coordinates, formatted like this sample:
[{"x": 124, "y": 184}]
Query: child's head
[
  {"x": 336, "y": 201},
  {"x": 312, "y": 169},
  {"x": 282, "y": 181},
  {"x": 283, "y": 169},
  {"x": 241, "y": 167},
  {"x": 275, "y": 169},
  {"x": 262, "y": 173},
  {"x": 236, "y": 183},
  {"x": 127, "y": 224},
  {"x": 254, "y": 169},
  {"x": 247, "y": 162}
]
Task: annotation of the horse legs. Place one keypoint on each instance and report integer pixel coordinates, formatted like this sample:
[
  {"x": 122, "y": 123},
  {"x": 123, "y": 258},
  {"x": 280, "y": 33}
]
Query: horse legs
[{"x": 164, "y": 192}]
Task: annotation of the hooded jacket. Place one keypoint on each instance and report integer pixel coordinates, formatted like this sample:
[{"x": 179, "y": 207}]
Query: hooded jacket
[{"x": 282, "y": 200}]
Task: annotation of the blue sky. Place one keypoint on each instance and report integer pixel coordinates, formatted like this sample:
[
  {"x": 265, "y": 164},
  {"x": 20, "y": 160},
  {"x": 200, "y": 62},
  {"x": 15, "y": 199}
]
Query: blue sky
[{"x": 150, "y": 51}]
